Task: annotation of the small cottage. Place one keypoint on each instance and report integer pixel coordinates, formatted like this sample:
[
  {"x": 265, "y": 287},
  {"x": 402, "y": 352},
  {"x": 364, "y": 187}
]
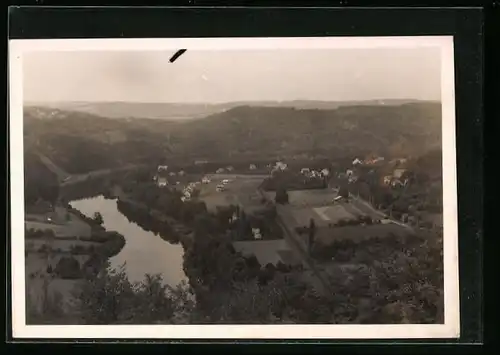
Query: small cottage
[{"x": 162, "y": 182}]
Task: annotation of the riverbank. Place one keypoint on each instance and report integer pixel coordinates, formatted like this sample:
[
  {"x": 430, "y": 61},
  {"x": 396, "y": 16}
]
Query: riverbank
[{"x": 57, "y": 263}]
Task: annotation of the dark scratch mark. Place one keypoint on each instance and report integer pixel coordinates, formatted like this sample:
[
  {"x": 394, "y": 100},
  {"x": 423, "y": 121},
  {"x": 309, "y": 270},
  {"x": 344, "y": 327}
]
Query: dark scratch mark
[{"x": 177, "y": 55}]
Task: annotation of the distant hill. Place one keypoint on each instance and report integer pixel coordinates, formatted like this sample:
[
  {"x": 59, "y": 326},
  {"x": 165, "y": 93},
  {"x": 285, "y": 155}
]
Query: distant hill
[
  {"x": 390, "y": 130},
  {"x": 80, "y": 141},
  {"x": 180, "y": 111}
]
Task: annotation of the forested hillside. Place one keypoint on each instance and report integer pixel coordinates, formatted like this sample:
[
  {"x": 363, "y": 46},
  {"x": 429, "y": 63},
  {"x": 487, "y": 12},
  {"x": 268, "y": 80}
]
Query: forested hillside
[{"x": 80, "y": 142}]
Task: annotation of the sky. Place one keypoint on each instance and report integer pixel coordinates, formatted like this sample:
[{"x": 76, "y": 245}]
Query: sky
[{"x": 224, "y": 76}]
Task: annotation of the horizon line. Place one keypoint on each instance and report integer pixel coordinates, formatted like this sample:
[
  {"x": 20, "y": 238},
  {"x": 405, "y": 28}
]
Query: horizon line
[{"x": 224, "y": 102}]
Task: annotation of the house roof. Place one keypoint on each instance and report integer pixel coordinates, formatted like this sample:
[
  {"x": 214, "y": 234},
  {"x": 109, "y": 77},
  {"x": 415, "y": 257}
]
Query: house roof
[{"x": 399, "y": 173}]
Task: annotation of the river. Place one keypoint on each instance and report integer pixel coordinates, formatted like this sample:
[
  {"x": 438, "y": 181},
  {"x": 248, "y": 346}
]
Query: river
[{"x": 144, "y": 253}]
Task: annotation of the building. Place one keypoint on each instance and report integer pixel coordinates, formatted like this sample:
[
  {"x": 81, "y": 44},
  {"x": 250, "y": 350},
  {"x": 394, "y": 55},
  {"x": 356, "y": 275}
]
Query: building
[
  {"x": 349, "y": 173},
  {"x": 357, "y": 162},
  {"x": 181, "y": 173},
  {"x": 162, "y": 182},
  {"x": 256, "y": 233},
  {"x": 252, "y": 167},
  {"x": 325, "y": 172},
  {"x": 220, "y": 171},
  {"x": 162, "y": 168},
  {"x": 281, "y": 166},
  {"x": 398, "y": 173},
  {"x": 230, "y": 168}
]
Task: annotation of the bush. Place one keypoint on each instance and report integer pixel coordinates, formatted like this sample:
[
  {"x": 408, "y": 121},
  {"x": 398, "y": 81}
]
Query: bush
[
  {"x": 281, "y": 196},
  {"x": 68, "y": 268}
]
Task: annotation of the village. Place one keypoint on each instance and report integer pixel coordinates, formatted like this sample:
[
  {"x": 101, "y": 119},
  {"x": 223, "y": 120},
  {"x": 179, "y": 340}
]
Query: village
[{"x": 331, "y": 198}]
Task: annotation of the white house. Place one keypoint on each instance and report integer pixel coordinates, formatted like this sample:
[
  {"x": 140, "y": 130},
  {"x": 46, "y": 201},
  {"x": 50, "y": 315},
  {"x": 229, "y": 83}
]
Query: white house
[
  {"x": 162, "y": 167},
  {"x": 398, "y": 173},
  {"x": 281, "y": 166},
  {"x": 162, "y": 182},
  {"x": 220, "y": 170},
  {"x": 229, "y": 168},
  {"x": 338, "y": 198},
  {"x": 349, "y": 172},
  {"x": 356, "y": 162},
  {"x": 181, "y": 173},
  {"x": 256, "y": 233},
  {"x": 252, "y": 167},
  {"x": 305, "y": 171},
  {"x": 325, "y": 172}
]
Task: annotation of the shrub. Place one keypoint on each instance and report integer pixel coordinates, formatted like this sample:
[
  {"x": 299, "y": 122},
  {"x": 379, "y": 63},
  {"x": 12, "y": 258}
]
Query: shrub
[{"x": 68, "y": 268}]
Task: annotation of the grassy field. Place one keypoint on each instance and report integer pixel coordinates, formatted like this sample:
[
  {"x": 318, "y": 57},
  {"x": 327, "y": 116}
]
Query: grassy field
[
  {"x": 63, "y": 223},
  {"x": 242, "y": 190},
  {"x": 36, "y": 263},
  {"x": 307, "y": 198},
  {"x": 323, "y": 216}
]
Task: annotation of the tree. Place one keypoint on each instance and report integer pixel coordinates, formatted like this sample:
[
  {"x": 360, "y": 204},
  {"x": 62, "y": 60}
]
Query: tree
[
  {"x": 98, "y": 218},
  {"x": 68, "y": 268},
  {"x": 344, "y": 191},
  {"x": 281, "y": 196},
  {"x": 195, "y": 193},
  {"x": 110, "y": 298}
]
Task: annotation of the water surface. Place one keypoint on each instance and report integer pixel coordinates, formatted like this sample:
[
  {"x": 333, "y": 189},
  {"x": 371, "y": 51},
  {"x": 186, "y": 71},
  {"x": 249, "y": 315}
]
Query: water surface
[{"x": 144, "y": 253}]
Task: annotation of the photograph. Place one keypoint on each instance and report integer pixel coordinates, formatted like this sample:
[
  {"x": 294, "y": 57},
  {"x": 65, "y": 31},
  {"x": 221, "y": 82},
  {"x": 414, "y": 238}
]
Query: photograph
[{"x": 234, "y": 188}]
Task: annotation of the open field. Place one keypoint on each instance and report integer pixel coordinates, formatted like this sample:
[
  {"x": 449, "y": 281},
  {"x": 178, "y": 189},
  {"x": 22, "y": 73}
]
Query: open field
[
  {"x": 242, "y": 190},
  {"x": 306, "y": 198},
  {"x": 63, "y": 223},
  {"x": 323, "y": 216}
]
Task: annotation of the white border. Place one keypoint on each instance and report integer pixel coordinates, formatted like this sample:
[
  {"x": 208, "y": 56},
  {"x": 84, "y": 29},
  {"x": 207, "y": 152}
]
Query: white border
[{"x": 451, "y": 328}]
